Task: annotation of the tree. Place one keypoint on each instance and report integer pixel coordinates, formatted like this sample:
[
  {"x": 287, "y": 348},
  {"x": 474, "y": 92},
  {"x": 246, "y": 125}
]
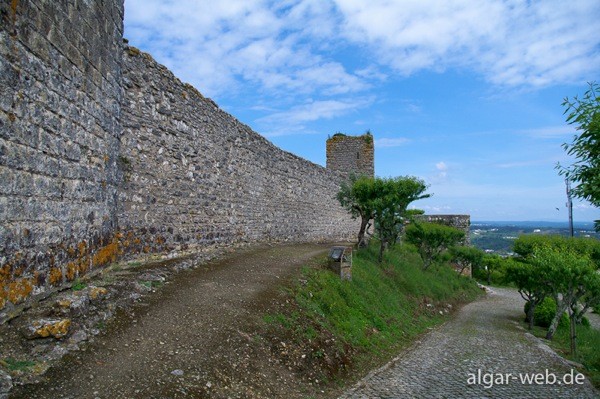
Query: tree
[
  {"x": 390, "y": 207},
  {"x": 585, "y": 147},
  {"x": 357, "y": 197},
  {"x": 466, "y": 257},
  {"x": 530, "y": 284},
  {"x": 567, "y": 276},
  {"x": 431, "y": 240},
  {"x": 385, "y": 201},
  {"x": 491, "y": 263}
]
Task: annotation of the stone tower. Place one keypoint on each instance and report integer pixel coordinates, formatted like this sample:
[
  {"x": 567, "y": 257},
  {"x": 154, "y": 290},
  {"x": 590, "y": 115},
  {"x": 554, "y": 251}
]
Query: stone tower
[{"x": 351, "y": 154}]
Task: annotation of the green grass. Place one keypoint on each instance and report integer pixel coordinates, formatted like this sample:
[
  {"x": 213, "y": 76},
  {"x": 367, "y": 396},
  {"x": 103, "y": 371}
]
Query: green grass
[
  {"x": 17, "y": 365},
  {"x": 383, "y": 308},
  {"x": 588, "y": 349},
  {"x": 78, "y": 285}
]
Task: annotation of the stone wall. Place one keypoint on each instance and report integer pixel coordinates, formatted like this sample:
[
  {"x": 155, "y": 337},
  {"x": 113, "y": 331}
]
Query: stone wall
[
  {"x": 461, "y": 222},
  {"x": 351, "y": 155},
  {"x": 104, "y": 153},
  {"x": 194, "y": 175},
  {"x": 60, "y": 94}
]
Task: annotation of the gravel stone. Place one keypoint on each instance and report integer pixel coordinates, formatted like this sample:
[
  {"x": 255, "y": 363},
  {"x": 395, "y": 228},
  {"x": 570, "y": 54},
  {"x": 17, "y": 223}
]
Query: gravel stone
[{"x": 485, "y": 336}]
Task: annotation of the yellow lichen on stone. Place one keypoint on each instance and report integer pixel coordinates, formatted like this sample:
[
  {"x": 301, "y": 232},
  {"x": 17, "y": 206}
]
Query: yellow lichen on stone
[
  {"x": 71, "y": 271},
  {"x": 55, "y": 276},
  {"x": 97, "y": 292},
  {"x": 19, "y": 290},
  {"x": 106, "y": 254},
  {"x": 57, "y": 330},
  {"x": 64, "y": 303}
]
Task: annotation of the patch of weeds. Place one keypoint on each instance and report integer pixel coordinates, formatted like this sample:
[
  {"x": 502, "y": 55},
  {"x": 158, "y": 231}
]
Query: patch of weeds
[
  {"x": 101, "y": 325},
  {"x": 78, "y": 285},
  {"x": 17, "y": 365},
  {"x": 152, "y": 284}
]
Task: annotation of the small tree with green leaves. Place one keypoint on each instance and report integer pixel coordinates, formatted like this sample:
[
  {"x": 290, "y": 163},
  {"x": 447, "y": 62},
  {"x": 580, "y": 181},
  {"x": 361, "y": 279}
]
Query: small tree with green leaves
[
  {"x": 567, "y": 276},
  {"x": 530, "y": 283},
  {"x": 390, "y": 207},
  {"x": 466, "y": 257},
  {"x": 385, "y": 200},
  {"x": 432, "y": 240},
  {"x": 357, "y": 196},
  {"x": 584, "y": 113}
]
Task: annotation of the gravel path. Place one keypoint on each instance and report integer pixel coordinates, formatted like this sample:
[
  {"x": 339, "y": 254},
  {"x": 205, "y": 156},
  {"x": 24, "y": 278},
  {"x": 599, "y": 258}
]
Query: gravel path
[
  {"x": 484, "y": 337},
  {"x": 192, "y": 339}
]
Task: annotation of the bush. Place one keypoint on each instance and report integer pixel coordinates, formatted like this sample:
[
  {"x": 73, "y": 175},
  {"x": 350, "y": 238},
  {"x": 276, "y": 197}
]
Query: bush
[{"x": 544, "y": 313}]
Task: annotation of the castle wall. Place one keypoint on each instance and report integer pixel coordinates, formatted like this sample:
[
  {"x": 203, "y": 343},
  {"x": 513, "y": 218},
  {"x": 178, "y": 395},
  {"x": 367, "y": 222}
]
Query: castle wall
[
  {"x": 60, "y": 91},
  {"x": 348, "y": 155},
  {"x": 461, "y": 222},
  {"x": 104, "y": 154},
  {"x": 194, "y": 175}
]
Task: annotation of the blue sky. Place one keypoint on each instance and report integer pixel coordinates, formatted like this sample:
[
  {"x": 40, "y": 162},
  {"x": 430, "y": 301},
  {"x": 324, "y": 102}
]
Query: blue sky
[{"x": 463, "y": 94}]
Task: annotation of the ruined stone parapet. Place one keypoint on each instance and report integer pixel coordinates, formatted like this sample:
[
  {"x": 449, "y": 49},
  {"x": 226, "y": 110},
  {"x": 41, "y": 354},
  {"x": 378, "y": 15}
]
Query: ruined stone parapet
[{"x": 348, "y": 155}]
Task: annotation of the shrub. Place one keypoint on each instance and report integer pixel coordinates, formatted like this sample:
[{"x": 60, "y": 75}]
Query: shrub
[{"x": 544, "y": 313}]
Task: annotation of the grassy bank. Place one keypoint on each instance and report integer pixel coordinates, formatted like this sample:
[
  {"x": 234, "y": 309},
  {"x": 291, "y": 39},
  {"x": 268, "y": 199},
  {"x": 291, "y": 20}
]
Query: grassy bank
[
  {"x": 334, "y": 330},
  {"x": 588, "y": 349}
]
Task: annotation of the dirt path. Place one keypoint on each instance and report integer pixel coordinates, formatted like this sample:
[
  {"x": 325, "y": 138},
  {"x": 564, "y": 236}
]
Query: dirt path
[
  {"x": 192, "y": 339},
  {"x": 485, "y": 336}
]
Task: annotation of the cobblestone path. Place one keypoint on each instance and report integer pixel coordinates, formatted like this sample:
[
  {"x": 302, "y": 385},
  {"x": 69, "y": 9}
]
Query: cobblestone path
[{"x": 485, "y": 337}]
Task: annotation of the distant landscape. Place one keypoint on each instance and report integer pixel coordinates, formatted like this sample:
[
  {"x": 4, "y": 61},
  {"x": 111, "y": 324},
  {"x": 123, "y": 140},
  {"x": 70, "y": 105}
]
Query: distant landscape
[{"x": 498, "y": 237}]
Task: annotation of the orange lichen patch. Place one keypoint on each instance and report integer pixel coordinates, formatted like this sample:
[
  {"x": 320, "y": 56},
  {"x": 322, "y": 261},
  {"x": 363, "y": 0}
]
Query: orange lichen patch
[
  {"x": 56, "y": 329},
  {"x": 83, "y": 265},
  {"x": 137, "y": 241},
  {"x": 146, "y": 249},
  {"x": 5, "y": 273},
  {"x": 71, "y": 251},
  {"x": 106, "y": 254},
  {"x": 3, "y": 295},
  {"x": 20, "y": 289},
  {"x": 160, "y": 240},
  {"x": 72, "y": 270},
  {"x": 82, "y": 246},
  {"x": 64, "y": 303},
  {"x": 97, "y": 292},
  {"x": 55, "y": 276}
]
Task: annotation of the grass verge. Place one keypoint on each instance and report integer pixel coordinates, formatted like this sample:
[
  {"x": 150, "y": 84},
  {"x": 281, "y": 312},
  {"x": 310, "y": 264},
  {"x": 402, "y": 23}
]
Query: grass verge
[
  {"x": 332, "y": 330},
  {"x": 588, "y": 349}
]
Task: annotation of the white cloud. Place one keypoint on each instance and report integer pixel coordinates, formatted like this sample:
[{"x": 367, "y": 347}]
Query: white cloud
[
  {"x": 391, "y": 142},
  {"x": 292, "y": 120},
  {"x": 549, "y": 132},
  {"x": 215, "y": 45},
  {"x": 510, "y": 42}
]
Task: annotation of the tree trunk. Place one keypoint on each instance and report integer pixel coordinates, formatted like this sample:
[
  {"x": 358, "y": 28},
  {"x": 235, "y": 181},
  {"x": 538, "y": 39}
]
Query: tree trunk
[
  {"x": 530, "y": 314},
  {"x": 381, "y": 249},
  {"x": 573, "y": 333},
  {"x": 364, "y": 221},
  {"x": 560, "y": 309}
]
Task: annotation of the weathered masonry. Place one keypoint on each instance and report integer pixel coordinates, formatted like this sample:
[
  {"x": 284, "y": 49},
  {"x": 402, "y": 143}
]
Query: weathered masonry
[
  {"x": 351, "y": 155},
  {"x": 104, "y": 153}
]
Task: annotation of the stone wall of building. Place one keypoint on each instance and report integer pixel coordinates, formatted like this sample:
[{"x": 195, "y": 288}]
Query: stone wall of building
[
  {"x": 194, "y": 175},
  {"x": 104, "y": 154},
  {"x": 60, "y": 95},
  {"x": 348, "y": 155}
]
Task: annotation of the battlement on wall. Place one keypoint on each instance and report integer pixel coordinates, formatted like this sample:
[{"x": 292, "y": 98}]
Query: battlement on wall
[{"x": 347, "y": 155}]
